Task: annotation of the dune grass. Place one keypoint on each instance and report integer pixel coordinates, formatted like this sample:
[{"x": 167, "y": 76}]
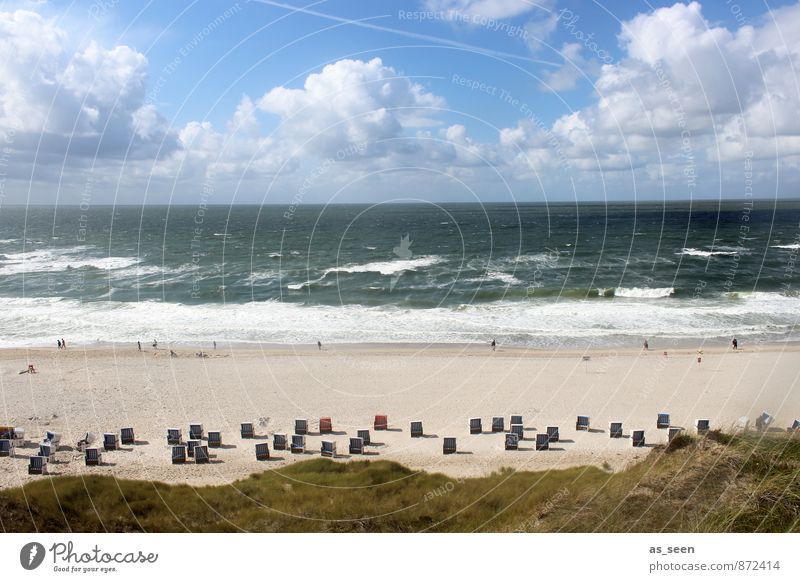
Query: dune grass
[{"x": 720, "y": 483}]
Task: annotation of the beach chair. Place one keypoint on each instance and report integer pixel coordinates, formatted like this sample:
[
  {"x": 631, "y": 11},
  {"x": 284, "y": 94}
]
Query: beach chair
[
  {"x": 518, "y": 430},
  {"x": 37, "y": 466},
  {"x": 110, "y": 442},
  {"x": 673, "y": 432},
  {"x": 18, "y": 437},
  {"x": 381, "y": 422},
  {"x": 795, "y": 426},
  {"x": 247, "y": 430},
  {"x": 93, "y": 456},
  {"x": 364, "y": 435},
  {"x": 742, "y": 423},
  {"x": 201, "y": 455},
  {"x": 637, "y": 438},
  {"x": 615, "y": 430},
  {"x": 449, "y": 445},
  {"x": 53, "y": 437},
  {"x": 475, "y": 426},
  {"x": 356, "y": 446},
  {"x": 279, "y": 441},
  {"x": 498, "y": 424},
  {"x": 190, "y": 446},
  {"x": 552, "y": 434},
  {"x": 582, "y": 423},
  {"x": 298, "y": 444},
  {"x": 516, "y": 419},
  {"x": 196, "y": 432},
  {"x": 542, "y": 442},
  {"x": 262, "y": 451},
  {"x": 325, "y": 425},
  {"x": 6, "y": 447},
  {"x": 6, "y": 432},
  {"x": 763, "y": 421},
  {"x": 126, "y": 436},
  {"x": 703, "y": 425},
  {"x": 178, "y": 454},
  {"x": 47, "y": 450},
  {"x": 174, "y": 436},
  {"x": 214, "y": 438},
  {"x": 416, "y": 428},
  {"x": 663, "y": 420},
  {"x": 328, "y": 449},
  {"x": 512, "y": 441},
  {"x": 300, "y": 426}
]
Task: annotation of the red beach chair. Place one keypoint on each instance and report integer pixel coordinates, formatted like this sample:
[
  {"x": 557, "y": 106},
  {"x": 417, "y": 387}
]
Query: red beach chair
[
  {"x": 325, "y": 425},
  {"x": 381, "y": 422}
]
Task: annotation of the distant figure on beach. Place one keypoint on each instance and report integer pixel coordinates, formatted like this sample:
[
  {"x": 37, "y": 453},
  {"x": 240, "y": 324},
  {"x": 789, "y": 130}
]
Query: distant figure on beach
[
  {"x": 172, "y": 354},
  {"x": 319, "y": 345},
  {"x": 646, "y": 345},
  {"x": 59, "y": 344},
  {"x": 63, "y": 344},
  {"x": 155, "y": 344},
  {"x": 215, "y": 344},
  {"x": 139, "y": 345},
  {"x": 494, "y": 345},
  {"x": 31, "y": 369},
  {"x": 735, "y": 344}
]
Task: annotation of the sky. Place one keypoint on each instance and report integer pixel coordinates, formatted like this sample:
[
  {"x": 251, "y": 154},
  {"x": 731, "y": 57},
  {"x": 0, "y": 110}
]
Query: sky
[{"x": 334, "y": 101}]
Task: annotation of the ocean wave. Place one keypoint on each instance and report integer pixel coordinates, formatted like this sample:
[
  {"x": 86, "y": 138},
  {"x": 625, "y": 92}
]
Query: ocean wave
[
  {"x": 792, "y": 247},
  {"x": 644, "y": 292},
  {"x": 701, "y": 253},
  {"x": 385, "y": 268},
  {"x": 50, "y": 261}
]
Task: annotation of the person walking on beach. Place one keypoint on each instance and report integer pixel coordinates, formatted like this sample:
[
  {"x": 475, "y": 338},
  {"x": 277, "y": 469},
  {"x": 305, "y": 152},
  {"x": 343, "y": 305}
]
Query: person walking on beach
[
  {"x": 735, "y": 344},
  {"x": 63, "y": 344},
  {"x": 319, "y": 345},
  {"x": 58, "y": 341},
  {"x": 646, "y": 345},
  {"x": 155, "y": 344},
  {"x": 139, "y": 345},
  {"x": 494, "y": 345},
  {"x": 215, "y": 344}
]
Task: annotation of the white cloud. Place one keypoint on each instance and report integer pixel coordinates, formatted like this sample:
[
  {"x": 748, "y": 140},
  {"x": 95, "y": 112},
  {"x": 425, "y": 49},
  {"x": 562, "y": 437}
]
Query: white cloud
[{"x": 488, "y": 9}]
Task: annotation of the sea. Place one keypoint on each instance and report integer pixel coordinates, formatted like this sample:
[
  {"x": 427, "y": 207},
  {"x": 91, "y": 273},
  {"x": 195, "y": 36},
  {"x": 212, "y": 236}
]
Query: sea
[{"x": 538, "y": 275}]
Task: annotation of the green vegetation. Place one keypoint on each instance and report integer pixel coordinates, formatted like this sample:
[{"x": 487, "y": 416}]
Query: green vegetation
[{"x": 743, "y": 483}]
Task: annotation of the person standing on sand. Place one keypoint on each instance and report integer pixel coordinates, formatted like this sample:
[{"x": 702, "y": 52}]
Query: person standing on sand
[
  {"x": 139, "y": 345},
  {"x": 63, "y": 344},
  {"x": 646, "y": 345},
  {"x": 735, "y": 344},
  {"x": 319, "y": 345},
  {"x": 58, "y": 341},
  {"x": 155, "y": 344},
  {"x": 494, "y": 345}
]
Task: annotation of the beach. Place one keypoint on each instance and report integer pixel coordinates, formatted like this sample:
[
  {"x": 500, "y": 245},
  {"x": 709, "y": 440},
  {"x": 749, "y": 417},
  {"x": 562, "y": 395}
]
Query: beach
[{"x": 102, "y": 389}]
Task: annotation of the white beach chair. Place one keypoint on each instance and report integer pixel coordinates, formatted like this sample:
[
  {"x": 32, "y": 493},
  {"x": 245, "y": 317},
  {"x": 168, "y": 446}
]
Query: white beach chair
[
  {"x": 475, "y": 426},
  {"x": 196, "y": 431},
  {"x": 518, "y": 430},
  {"x": 214, "y": 438},
  {"x": 110, "y": 441},
  {"x": 298, "y": 444},
  {"x": 703, "y": 425},
  {"x": 512, "y": 441},
  {"x": 795, "y": 426},
  {"x": 178, "y": 454},
  {"x": 498, "y": 424},
  {"x": 364, "y": 435},
  {"x": 356, "y": 446},
  {"x": 247, "y": 430},
  {"x": 416, "y": 429},
  {"x": 7, "y": 447},
  {"x": 262, "y": 451},
  {"x": 47, "y": 450},
  {"x": 449, "y": 445},
  {"x": 542, "y": 442},
  {"x": 663, "y": 420},
  {"x": 37, "y": 466},
  {"x": 301, "y": 426},
  {"x": 279, "y": 441},
  {"x": 615, "y": 430},
  {"x": 54, "y": 438},
  {"x": 93, "y": 456},
  {"x": 190, "y": 446},
  {"x": 328, "y": 449},
  {"x": 637, "y": 438},
  {"x": 18, "y": 437},
  {"x": 582, "y": 423},
  {"x": 673, "y": 433},
  {"x": 126, "y": 436},
  {"x": 552, "y": 434},
  {"x": 174, "y": 436},
  {"x": 201, "y": 455}
]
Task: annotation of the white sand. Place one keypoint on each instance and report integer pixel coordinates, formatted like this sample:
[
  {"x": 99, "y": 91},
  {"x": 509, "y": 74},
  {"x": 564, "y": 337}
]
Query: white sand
[{"x": 103, "y": 389}]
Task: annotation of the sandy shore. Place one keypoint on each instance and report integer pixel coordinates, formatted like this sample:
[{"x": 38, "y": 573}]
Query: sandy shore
[{"x": 103, "y": 389}]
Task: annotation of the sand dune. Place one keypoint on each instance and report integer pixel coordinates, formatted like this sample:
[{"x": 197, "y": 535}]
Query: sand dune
[{"x": 103, "y": 389}]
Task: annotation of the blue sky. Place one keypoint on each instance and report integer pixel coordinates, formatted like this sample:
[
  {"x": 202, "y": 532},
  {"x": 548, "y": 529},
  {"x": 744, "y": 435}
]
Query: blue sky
[{"x": 334, "y": 101}]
